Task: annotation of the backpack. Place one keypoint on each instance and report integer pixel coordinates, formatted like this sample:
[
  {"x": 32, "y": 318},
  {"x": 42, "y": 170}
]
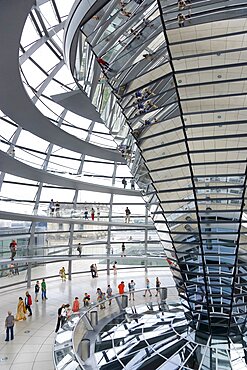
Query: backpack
[{"x": 29, "y": 300}]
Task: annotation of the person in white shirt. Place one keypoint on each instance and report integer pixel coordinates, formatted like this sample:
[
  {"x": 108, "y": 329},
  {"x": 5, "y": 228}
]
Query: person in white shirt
[{"x": 131, "y": 287}]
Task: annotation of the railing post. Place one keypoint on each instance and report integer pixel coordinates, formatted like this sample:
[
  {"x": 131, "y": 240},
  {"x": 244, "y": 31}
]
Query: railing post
[{"x": 84, "y": 349}]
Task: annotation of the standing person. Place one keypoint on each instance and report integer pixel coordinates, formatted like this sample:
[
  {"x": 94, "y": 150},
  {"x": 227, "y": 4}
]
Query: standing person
[
  {"x": 62, "y": 274},
  {"x": 123, "y": 250},
  {"x": 131, "y": 287},
  {"x": 76, "y": 305},
  {"x": 109, "y": 293},
  {"x": 68, "y": 311},
  {"x": 92, "y": 214},
  {"x": 104, "y": 63},
  {"x": 181, "y": 19},
  {"x": 36, "y": 291},
  {"x": 147, "y": 288},
  {"x": 100, "y": 298},
  {"x": 157, "y": 284},
  {"x": 121, "y": 287},
  {"x": 181, "y": 4},
  {"x": 96, "y": 270},
  {"x": 92, "y": 270},
  {"x": 13, "y": 248},
  {"x": 28, "y": 303},
  {"x": 43, "y": 290},
  {"x": 16, "y": 270},
  {"x": 21, "y": 310},
  {"x": 9, "y": 325},
  {"x": 115, "y": 268},
  {"x": 64, "y": 314},
  {"x": 124, "y": 182},
  {"x": 127, "y": 215},
  {"x": 59, "y": 317},
  {"x": 132, "y": 184},
  {"x": 11, "y": 270},
  {"x": 52, "y": 207},
  {"x": 86, "y": 214},
  {"x": 57, "y": 209},
  {"x": 79, "y": 249},
  {"x": 86, "y": 300},
  {"x": 98, "y": 213}
]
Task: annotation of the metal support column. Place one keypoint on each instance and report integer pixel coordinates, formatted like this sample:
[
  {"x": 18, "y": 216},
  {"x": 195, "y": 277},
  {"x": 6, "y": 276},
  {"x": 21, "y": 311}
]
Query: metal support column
[
  {"x": 146, "y": 237},
  {"x": 75, "y": 199},
  {"x": 29, "y": 275},
  {"x": 108, "y": 244}
]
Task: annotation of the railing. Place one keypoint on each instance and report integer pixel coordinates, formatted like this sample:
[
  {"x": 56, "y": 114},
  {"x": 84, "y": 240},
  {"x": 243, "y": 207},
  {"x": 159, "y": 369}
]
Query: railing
[
  {"x": 101, "y": 211},
  {"x": 71, "y": 349}
]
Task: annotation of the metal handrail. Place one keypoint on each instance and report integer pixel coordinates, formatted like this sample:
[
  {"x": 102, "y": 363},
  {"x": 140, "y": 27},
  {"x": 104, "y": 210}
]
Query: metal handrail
[{"x": 95, "y": 306}]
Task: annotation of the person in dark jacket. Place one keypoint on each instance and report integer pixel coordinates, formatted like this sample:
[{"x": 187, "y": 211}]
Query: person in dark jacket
[
  {"x": 9, "y": 325},
  {"x": 59, "y": 317},
  {"x": 36, "y": 291},
  {"x": 28, "y": 303}
]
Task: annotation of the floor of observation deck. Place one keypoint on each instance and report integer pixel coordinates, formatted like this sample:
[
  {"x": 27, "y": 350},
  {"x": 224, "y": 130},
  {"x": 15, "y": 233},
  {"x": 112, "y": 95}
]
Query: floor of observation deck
[{"x": 33, "y": 343}]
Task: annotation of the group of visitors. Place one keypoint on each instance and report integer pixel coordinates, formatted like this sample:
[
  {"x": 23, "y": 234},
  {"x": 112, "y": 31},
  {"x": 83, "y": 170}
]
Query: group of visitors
[
  {"x": 24, "y": 307},
  {"x": 183, "y": 5},
  {"x": 54, "y": 207},
  {"x": 132, "y": 183},
  {"x": 86, "y": 213},
  {"x": 37, "y": 289},
  {"x": 131, "y": 288},
  {"x": 144, "y": 105},
  {"x": 63, "y": 314}
]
